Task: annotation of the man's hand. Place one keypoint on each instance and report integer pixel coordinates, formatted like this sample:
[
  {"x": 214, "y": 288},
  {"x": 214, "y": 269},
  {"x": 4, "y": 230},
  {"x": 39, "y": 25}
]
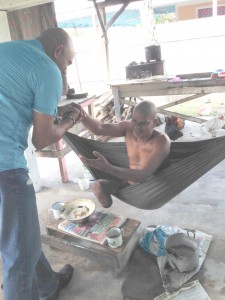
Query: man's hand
[
  {"x": 65, "y": 109},
  {"x": 101, "y": 163},
  {"x": 72, "y": 109}
]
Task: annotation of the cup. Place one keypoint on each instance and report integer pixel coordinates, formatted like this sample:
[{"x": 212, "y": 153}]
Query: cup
[
  {"x": 114, "y": 237},
  {"x": 83, "y": 183},
  {"x": 87, "y": 173},
  {"x": 55, "y": 211}
]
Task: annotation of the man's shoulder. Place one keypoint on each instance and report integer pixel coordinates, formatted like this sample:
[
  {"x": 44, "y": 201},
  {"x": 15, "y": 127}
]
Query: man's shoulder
[
  {"x": 125, "y": 123},
  {"x": 24, "y": 45},
  {"x": 24, "y": 52},
  {"x": 123, "y": 126},
  {"x": 161, "y": 136},
  {"x": 162, "y": 142},
  {"x": 127, "y": 127}
]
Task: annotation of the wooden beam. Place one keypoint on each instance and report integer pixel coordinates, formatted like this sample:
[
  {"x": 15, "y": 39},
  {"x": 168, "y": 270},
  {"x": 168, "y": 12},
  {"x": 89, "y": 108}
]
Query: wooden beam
[
  {"x": 194, "y": 76},
  {"x": 101, "y": 21},
  {"x": 20, "y": 4},
  {"x": 182, "y": 116},
  {"x": 181, "y": 101},
  {"x": 53, "y": 153},
  {"x": 116, "y": 16},
  {"x": 107, "y": 3}
]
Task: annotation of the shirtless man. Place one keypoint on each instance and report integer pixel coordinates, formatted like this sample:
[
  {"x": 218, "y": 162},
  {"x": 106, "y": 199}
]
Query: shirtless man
[{"x": 146, "y": 149}]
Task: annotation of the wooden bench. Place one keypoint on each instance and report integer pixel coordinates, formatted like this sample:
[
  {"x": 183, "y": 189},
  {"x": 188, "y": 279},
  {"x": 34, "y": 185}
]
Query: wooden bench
[{"x": 116, "y": 258}]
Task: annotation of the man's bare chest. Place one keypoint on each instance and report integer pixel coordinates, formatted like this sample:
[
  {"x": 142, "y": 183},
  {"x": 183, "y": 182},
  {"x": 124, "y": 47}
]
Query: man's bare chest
[{"x": 139, "y": 153}]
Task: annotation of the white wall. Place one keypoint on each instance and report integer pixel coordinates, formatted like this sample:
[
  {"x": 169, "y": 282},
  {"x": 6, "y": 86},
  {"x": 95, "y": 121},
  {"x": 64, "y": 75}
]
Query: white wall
[
  {"x": 4, "y": 28},
  {"x": 191, "y": 46}
]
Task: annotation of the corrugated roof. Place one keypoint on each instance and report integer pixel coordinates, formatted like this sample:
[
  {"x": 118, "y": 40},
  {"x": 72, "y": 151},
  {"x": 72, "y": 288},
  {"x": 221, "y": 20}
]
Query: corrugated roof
[
  {"x": 130, "y": 17},
  {"x": 164, "y": 10}
]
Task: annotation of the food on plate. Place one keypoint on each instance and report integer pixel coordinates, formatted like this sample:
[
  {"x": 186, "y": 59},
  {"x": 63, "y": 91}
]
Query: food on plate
[{"x": 80, "y": 211}]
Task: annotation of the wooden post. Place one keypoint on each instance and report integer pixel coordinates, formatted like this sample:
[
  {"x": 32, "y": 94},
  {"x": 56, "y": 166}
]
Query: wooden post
[
  {"x": 214, "y": 10},
  {"x": 62, "y": 162},
  {"x": 116, "y": 95},
  {"x": 105, "y": 50},
  {"x": 105, "y": 45},
  {"x": 148, "y": 23},
  {"x": 76, "y": 66}
]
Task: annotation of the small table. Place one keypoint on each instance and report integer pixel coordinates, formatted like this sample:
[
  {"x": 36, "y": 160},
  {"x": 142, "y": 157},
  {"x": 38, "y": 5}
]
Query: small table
[
  {"x": 196, "y": 85},
  {"x": 60, "y": 148},
  {"x": 116, "y": 258}
]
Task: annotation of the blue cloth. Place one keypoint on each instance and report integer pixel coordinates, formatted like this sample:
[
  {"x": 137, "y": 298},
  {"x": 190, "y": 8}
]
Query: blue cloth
[
  {"x": 153, "y": 240},
  {"x": 29, "y": 80},
  {"x": 26, "y": 272}
]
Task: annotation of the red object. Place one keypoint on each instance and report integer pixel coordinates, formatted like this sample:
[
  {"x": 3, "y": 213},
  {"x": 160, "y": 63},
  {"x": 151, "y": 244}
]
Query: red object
[
  {"x": 221, "y": 74},
  {"x": 214, "y": 75}
]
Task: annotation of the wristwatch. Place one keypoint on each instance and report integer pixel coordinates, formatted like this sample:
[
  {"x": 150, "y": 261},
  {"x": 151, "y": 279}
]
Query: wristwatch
[{"x": 71, "y": 118}]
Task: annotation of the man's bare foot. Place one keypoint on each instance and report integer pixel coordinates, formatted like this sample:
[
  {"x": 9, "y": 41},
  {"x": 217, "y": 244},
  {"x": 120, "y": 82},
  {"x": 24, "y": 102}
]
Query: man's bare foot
[{"x": 102, "y": 191}]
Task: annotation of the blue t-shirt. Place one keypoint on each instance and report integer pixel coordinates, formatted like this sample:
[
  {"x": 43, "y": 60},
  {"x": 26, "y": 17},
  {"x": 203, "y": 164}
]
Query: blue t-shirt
[{"x": 29, "y": 80}]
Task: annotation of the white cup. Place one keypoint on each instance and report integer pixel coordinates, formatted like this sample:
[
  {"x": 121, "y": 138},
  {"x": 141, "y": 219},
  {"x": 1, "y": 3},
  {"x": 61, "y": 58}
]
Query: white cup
[
  {"x": 114, "y": 237},
  {"x": 83, "y": 183},
  {"x": 55, "y": 210}
]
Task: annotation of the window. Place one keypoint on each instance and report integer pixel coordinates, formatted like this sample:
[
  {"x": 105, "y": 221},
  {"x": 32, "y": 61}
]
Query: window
[{"x": 207, "y": 12}]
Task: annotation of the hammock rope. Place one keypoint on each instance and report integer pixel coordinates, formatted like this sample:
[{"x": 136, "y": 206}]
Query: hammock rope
[{"x": 188, "y": 161}]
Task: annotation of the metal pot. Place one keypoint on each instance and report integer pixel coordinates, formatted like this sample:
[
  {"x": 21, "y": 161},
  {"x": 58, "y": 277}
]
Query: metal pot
[
  {"x": 182, "y": 252},
  {"x": 153, "y": 52}
]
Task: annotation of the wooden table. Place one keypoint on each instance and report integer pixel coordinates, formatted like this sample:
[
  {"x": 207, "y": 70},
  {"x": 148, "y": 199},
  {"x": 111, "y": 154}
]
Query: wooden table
[
  {"x": 195, "y": 85},
  {"x": 116, "y": 258},
  {"x": 84, "y": 102},
  {"x": 60, "y": 149}
]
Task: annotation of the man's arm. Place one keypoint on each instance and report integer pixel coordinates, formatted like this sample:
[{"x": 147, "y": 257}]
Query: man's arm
[
  {"x": 106, "y": 129},
  {"x": 158, "y": 155},
  {"x": 46, "y": 132}
]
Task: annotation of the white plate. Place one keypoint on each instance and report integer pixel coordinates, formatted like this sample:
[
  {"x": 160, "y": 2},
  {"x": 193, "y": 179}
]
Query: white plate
[{"x": 77, "y": 209}]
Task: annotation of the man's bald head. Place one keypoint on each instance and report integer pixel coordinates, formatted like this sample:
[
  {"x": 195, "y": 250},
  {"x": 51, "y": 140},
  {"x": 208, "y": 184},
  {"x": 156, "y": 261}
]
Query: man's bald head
[
  {"x": 58, "y": 46},
  {"x": 147, "y": 108},
  {"x": 53, "y": 37}
]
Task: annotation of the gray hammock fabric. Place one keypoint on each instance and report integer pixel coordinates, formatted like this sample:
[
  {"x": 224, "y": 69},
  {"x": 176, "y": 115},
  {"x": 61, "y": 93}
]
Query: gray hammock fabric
[{"x": 188, "y": 161}]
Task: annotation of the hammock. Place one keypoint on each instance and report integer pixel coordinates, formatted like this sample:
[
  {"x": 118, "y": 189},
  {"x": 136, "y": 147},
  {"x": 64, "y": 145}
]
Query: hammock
[{"x": 188, "y": 161}]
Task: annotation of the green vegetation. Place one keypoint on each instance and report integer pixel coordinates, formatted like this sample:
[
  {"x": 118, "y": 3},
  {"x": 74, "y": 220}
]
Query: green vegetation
[
  {"x": 212, "y": 104},
  {"x": 165, "y": 18}
]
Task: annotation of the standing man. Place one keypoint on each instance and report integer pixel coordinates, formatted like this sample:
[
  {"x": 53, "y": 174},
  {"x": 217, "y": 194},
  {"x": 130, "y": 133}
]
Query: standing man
[
  {"x": 147, "y": 149},
  {"x": 30, "y": 88}
]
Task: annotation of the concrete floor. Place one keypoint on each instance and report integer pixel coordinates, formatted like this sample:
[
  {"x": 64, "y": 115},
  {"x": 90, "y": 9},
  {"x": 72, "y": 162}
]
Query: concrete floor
[{"x": 201, "y": 206}]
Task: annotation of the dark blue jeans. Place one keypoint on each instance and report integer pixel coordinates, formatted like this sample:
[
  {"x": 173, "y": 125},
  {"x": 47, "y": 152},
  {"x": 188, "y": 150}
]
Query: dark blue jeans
[{"x": 27, "y": 274}]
